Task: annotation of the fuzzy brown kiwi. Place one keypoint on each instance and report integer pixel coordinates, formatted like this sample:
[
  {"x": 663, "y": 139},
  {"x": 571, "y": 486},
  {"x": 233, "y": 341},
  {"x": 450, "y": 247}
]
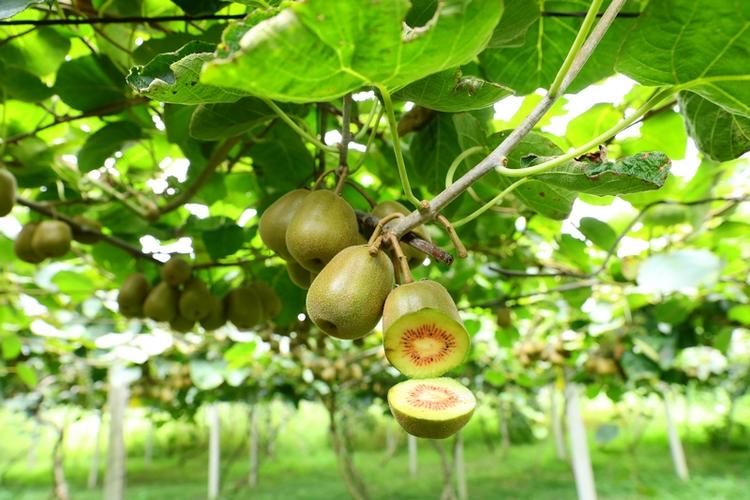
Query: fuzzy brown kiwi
[
  {"x": 176, "y": 271},
  {"x": 161, "y": 302},
  {"x": 275, "y": 221},
  {"x": 434, "y": 408},
  {"x": 323, "y": 225},
  {"x": 244, "y": 308},
  {"x": 346, "y": 299},
  {"x": 7, "y": 192},
  {"x": 269, "y": 299},
  {"x": 182, "y": 324},
  {"x": 217, "y": 316},
  {"x": 52, "y": 238},
  {"x": 389, "y": 207},
  {"x": 87, "y": 230},
  {"x": 423, "y": 334},
  {"x": 195, "y": 300},
  {"x": 132, "y": 295},
  {"x": 22, "y": 245}
]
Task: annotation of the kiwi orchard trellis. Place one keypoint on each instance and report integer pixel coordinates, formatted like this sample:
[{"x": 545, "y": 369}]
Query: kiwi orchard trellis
[{"x": 172, "y": 78}]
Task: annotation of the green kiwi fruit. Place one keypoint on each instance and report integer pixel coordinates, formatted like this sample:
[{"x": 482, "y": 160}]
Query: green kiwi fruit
[
  {"x": 52, "y": 238},
  {"x": 87, "y": 232},
  {"x": 181, "y": 324},
  {"x": 433, "y": 408},
  {"x": 22, "y": 245},
  {"x": 195, "y": 300},
  {"x": 132, "y": 295},
  {"x": 299, "y": 275},
  {"x": 275, "y": 221},
  {"x": 346, "y": 299},
  {"x": 244, "y": 308},
  {"x": 323, "y": 225},
  {"x": 217, "y": 316},
  {"x": 269, "y": 299},
  {"x": 176, "y": 271},
  {"x": 7, "y": 192},
  {"x": 385, "y": 208},
  {"x": 423, "y": 336},
  {"x": 503, "y": 317},
  {"x": 161, "y": 302}
]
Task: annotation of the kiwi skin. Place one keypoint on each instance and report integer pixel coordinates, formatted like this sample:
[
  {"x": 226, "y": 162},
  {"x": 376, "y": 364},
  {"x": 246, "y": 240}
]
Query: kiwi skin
[
  {"x": 323, "y": 225},
  {"x": 269, "y": 300},
  {"x": 244, "y": 308},
  {"x": 346, "y": 299},
  {"x": 161, "y": 303},
  {"x": 181, "y": 324},
  {"x": 299, "y": 275},
  {"x": 22, "y": 245},
  {"x": 7, "y": 192},
  {"x": 52, "y": 238},
  {"x": 176, "y": 271},
  {"x": 132, "y": 295},
  {"x": 275, "y": 221},
  {"x": 88, "y": 232},
  {"x": 195, "y": 300},
  {"x": 411, "y": 297},
  {"x": 424, "y": 427},
  {"x": 217, "y": 316}
]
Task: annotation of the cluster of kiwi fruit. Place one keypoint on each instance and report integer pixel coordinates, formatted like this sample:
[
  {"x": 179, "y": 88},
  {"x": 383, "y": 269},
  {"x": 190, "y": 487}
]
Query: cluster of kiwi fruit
[
  {"x": 183, "y": 299},
  {"x": 552, "y": 351},
  {"x": 333, "y": 371},
  {"x": 351, "y": 287},
  {"x": 38, "y": 241}
]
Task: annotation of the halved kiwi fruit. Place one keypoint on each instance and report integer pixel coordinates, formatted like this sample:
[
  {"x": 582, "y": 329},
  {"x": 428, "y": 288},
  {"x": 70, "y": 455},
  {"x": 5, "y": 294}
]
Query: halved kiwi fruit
[
  {"x": 426, "y": 343},
  {"x": 422, "y": 331},
  {"x": 434, "y": 408}
]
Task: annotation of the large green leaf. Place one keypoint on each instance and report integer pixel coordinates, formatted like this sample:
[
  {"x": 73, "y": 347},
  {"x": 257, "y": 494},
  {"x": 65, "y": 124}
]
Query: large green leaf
[
  {"x": 282, "y": 161},
  {"x": 432, "y": 151},
  {"x": 718, "y": 133},
  {"x": 105, "y": 142},
  {"x": 452, "y": 91},
  {"x": 534, "y": 64},
  {"x": 18, "y": 83},
  {"x": 40, "y": 52},
  {"x": 211, "y": 122},
  {"x": 549, "y": 200},
  {"x": 596, "y": 120},
  {"x": 700, "y": 45},
  {"x": 663, "y": 131},
  {"x": 223, "y": 240},
  {"x": 599, "y": 233},
  {"x": 173, "y": 77},
  {"x": 319, "y": 50},
  {"x": 631, "y": 174},
  {"x": 90, "y": 82},
  {"x": 518, "y": 16}
]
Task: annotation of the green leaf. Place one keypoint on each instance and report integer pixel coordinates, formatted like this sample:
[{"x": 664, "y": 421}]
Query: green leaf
[
  {"x": 105, "y": 142},
  {"x": 719, "y": 134},
  {"x": 452, "y": 91},
  {"x": 9, "y": 8},
  {"x": 495, "y": 377},
  {"x": 198, "y": 7},
  {"x": 632, "y": 174},
  {"x": 546, "y": 199},
  {"x": 215, "y": 121},
  {"x": 27, "y": 374},
  {"x": 534, "y": 64},
  {"x": 518, "y": 16},
  {"x": 598, "y": 119},
  {"x": 223, "y": 240},
  {"x": 11, "y": 346},
  {"x": 701, "y": 45},
  {"x": 598, "y": 232},
  {"x": 320, "y": 50},
  {"x": 17, "y": 83},
  {"x": 74, "y": 283},
  {"x": 282, "y": 161},
  {"x": 679, "y": 270},
  {"x": 432, "y": 151},
  {"x": 40, "y": 52},
  {"x": 89, "y": 82},
  {"x": 173, "y": 77},
  {"x": 740, "y": 313}
]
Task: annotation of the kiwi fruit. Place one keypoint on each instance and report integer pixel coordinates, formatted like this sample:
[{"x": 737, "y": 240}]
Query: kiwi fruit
[
  {"x": 299, "y": 275},
  {"x": 385, "y": 208},
  {"x": 244, "y": 308},
  {"x": 132, "y": 295},
  {"x": 503, "y": 317},
  {"x": 323, "y": 225},
  {"x": 433, "y": 408},
  {"x": 217, "y": 315},
  {"x": 161, "y": 302},
  {"x": 423, "y": 334},
  {"x": 195, "y": 300},
  {"x": 176, "y": 271},
  {"x": 275, "y": 221},
  {"x": 7, "y": 192},
  {"x": 87, "y": 230},
  {"x": 346, "y": 299},
  {"x": 52, "y": 238},
  {"x": 22, "y": 245},
  {"x": 181, "y": 324},
  {"x": 269, "y": 300}
]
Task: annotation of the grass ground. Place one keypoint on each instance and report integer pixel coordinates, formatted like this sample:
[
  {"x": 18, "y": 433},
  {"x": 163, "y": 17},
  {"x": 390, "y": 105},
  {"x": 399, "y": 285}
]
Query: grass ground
[{"x": 304, "y": 468}]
